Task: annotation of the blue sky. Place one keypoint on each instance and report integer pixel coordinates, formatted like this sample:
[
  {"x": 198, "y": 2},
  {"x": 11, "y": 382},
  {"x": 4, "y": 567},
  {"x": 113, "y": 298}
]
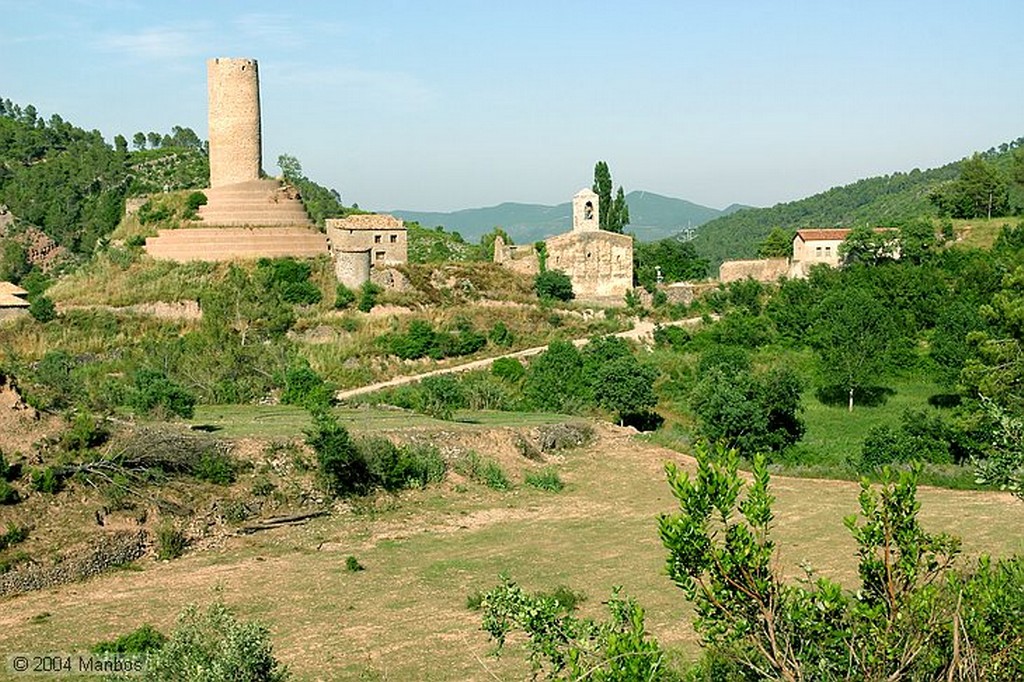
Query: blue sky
[{"x": 454, "y": 104}]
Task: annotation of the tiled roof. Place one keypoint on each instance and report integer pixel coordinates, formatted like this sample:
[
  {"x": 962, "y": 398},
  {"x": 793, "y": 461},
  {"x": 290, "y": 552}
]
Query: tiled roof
[
  {"x": 823, "y": 234},
  {"x": 14, "y": 289}
]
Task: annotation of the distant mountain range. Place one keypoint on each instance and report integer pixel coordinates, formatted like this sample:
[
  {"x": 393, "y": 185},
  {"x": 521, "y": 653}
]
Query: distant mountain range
[{"x": 652, "y": 217}]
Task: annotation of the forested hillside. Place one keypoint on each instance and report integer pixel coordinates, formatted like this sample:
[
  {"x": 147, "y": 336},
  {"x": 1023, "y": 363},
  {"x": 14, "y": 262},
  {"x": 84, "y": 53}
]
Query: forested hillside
[
  {"x": 885, "y": 200},
  {"x": 72, "y": 184}
]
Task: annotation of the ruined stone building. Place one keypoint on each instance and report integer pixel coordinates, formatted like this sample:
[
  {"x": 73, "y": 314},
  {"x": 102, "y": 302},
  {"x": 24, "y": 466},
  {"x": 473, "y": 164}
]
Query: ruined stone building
[
  {"x": 246, "y": 214},
  {"x": 518, "y": 258},
  {"x": 360, "y": 243},
  {"x": 599, "y": 263}
]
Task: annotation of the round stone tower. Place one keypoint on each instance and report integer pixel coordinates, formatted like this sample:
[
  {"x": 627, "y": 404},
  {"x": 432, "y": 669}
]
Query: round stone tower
[{"x": 236, "y": 152}]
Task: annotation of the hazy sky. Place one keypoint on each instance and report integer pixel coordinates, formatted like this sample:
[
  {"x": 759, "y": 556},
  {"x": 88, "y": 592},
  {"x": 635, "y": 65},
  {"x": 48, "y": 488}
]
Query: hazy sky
[{"x": 454, "y": 104}]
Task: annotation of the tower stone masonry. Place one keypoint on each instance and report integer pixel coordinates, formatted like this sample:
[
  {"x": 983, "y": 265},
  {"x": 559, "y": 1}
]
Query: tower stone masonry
[{"x": 236, "y": 151}]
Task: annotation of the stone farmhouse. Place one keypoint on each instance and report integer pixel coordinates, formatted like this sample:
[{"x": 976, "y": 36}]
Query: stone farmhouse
[
  {"x": 817, "y": 246},
  {"x": 360, "y": 243}
]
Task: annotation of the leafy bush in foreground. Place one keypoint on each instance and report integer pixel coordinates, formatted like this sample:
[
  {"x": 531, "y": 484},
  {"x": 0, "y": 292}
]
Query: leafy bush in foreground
[
  {"x": 913, "y": 617},
  {"x": 215, "y": 646}
]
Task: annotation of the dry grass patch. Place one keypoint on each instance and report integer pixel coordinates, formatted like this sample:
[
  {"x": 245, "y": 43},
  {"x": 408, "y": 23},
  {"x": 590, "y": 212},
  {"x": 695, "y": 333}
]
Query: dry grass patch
[{"x": 405, "y": 616}]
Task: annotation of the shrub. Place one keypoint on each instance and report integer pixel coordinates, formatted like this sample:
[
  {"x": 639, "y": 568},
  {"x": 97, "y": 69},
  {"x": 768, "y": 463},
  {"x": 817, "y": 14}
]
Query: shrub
[
  {"x": 171, "y": 542},
  {"x": 8, "y": 564},
  {"x": 395, "y": 467},
  {"x": 501, "y": 336},
  {"x": 368, "y": 296},
  {"x": 305, "y": 388},
  {"x": 545, "y": 479},
  {"x": 352, "y": 564},
  {"x": 342, "y": 466},
  {"x": 673, "y": 337},
  {"x": 262, "y": 486},
  {"x": 343, "y": 297},
  {"x": 474, "y": 600},
  {"x": 483, "y": 391},
  {"x": 154, "y": 392},
  {"x": 144, "y": 640},
  {"x": 484, "y": 470},
  {"x": 215, "y": 647},
  {"x": 440, "y": 396},
  {"x": 8, "y": 493},
  {"x": 555, "y": 380},
  {"x": 237, "y": 511},
  {"x": 215, "y": 467},
  {"x": 192, "y": 203},
  {"x": 42, "y": 309},
  {"x": 894, "y": 625},
  {"x": 8, "y": 472},
  {"x": 47, "y": 480},
  {"x": 919, "y": 437},
  {"x": 118, "y": 493},
  {"x": 553, "y": 285},
  {"x": 508, "y": 369},
  {"x": 566, "y": 647},
  {"x": 13, "y": 535},
  {"x": 85, "y": 432}
]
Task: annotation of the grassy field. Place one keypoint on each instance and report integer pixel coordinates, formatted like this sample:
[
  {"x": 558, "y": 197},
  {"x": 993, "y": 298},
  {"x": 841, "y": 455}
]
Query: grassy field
[
  {"x": 285, "y": 421},
  {"x": 405, "y": 616}
]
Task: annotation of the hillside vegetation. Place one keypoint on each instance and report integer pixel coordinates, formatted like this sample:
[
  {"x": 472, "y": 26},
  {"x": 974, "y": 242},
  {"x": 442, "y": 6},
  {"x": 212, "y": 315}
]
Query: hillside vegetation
[
  {"x": 154, "y": 410},
  {"x": 72, "y": 185},
  {"x": 881, "y": 201}
]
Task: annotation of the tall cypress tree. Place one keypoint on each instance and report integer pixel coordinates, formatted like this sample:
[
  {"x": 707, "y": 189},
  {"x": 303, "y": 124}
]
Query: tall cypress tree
[{"x": 613, "y": 214}]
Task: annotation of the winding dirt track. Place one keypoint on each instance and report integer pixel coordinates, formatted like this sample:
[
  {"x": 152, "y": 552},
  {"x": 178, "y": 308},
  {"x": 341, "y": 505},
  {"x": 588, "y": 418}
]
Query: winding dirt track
[{"x": 642, "y": 331}]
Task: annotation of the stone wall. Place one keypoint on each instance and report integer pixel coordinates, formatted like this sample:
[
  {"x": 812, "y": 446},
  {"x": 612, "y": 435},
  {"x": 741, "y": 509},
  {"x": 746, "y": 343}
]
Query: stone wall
[
  {"x": 110, "y": 550},
  {"x": 764, "y": 270},
  {"x": 517, "y": 258},
  {"x": 236, "y": 153},
  {"x": 599, "y": 263},
  {"x": 686, "y": 292}
]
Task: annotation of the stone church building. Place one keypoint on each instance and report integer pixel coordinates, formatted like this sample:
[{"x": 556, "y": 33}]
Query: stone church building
[{"x": 599, "y": 263}]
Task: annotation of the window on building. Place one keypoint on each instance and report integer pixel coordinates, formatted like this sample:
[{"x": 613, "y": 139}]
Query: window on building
[
  {"x": 376, "y": 239},
  {"x": 379, "y": 255},
  {"x": 828, "y": 250},
  {"x": 817, "y": 251},
  {"x": 393, "y": 238}
]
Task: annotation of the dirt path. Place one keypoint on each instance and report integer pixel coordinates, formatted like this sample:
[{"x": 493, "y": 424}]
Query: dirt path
[{"x": 642, "y": 331}]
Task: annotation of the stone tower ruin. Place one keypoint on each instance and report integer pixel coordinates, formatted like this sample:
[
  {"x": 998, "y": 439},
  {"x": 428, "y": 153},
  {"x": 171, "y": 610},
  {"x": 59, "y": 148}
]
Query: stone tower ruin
[
  {"x": 235, "y": 138},
  {"x": 246, "y": 215}
]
